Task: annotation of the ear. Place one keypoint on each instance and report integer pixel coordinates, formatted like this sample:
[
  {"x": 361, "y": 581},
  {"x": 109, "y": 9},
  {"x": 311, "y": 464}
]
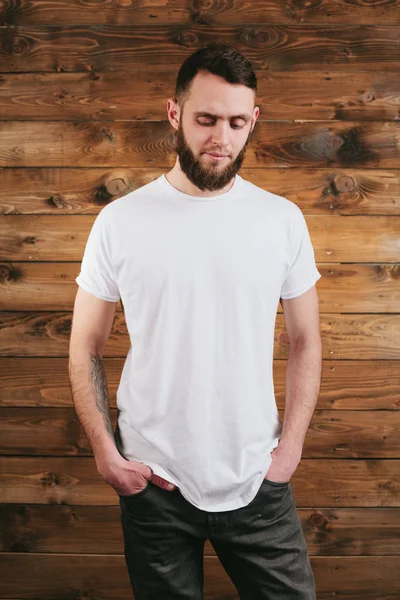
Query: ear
[{"x": 173, "y": 111}]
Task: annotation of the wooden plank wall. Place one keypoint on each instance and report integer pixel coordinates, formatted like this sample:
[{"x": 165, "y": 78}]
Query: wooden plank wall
[{"x": 83, "y": 91}]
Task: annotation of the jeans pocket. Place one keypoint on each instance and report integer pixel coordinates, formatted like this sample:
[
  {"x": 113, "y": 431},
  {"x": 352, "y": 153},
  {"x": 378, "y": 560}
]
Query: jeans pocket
[
  {"x": 136, "y": 494},
  {"x": 276, "y": 483}
]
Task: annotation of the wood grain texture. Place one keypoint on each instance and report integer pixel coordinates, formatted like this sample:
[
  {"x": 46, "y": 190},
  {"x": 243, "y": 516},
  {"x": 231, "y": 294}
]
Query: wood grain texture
[
  {"x": 276, "y": 47},
  {"x": 128, "y": 12},
  {"x": 354, "y": 385},
  {"x": 123, "y": 144},
  {"x": 43, "y": 431},
  {"x": 137, "y": 95},
  {"x": 350, "y": 337},
  {"x": 83, "y": 529},
  {"x": 105, "y": 576},
  {"x": 316, "y": 482},
  {"x": 343, "y": 288},
  {"x": 334, "y": 238},
  {"x": 83, "y": 191}
]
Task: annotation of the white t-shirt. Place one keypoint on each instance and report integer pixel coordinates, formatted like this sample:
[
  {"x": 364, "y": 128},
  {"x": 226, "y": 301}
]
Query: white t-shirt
[{"x": 200, "y": 280}]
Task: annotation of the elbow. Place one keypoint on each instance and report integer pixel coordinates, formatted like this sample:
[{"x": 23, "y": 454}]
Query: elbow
[{"x": 306, "y": 341}]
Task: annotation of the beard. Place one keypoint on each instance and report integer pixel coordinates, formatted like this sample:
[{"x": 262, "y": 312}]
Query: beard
[{"x": 212, "y": 177}]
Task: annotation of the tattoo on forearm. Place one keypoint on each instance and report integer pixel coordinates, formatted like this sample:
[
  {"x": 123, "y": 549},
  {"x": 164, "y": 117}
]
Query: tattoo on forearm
[{"x": 98, "y": 382}]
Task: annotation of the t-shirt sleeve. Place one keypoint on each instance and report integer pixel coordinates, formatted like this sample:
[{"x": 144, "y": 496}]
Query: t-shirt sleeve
[
  {"x": 303, "y": 272},
  {"x": 97, "y": 271}
]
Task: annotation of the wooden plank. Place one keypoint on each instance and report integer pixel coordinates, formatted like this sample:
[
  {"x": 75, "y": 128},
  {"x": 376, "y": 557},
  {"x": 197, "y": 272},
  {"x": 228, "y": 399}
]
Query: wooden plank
[
  {"x": 345, "y": 385},
  {"x": 106, "y": 576},
  {"x": 334, "y": 239},
  {"x": 120, "y": 144},
  {"x": 61, "y": 576},
  {"x": 126, "y": 12},
  {"x": 317, "y": 482},
  {"x": 354, "y": 337},
  {"x": 357, "y": 578},
  {"x": 363, "y": 288},
  {"x": 275, "y": 47},
  {"x": 76, "y": 529},
  {"x": 39, "y": 431},
  {"x": 323, "y": 95},
  {"x": 69, "y": 191}
]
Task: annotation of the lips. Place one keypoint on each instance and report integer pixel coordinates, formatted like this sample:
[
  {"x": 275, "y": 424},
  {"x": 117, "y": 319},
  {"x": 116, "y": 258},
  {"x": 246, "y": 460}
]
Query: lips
[{"x": 217, "y": 157}]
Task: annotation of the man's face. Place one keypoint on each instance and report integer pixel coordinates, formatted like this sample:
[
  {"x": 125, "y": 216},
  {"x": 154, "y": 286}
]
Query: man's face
[{"x": 200, "y": 135}]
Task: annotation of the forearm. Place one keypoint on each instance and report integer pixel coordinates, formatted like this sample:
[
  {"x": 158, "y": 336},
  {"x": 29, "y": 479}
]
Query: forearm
[
  {"x": 90, "y": 397},
  {"x": 302, "y": 385}
]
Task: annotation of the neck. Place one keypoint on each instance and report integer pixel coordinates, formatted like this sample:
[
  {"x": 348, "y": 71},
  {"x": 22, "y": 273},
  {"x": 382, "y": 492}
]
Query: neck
[{"x": 180, "y": 181}]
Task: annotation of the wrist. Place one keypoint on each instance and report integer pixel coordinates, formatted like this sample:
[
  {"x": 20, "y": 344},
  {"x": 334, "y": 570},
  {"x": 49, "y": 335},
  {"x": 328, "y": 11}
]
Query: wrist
[
  {"x": 290, "y": 446},
  {"x": 108, "y": 457}
]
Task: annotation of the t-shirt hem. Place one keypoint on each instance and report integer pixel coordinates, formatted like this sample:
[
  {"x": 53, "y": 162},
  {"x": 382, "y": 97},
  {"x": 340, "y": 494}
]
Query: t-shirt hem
[
  {"x": 89, "y": 289},
  {"x": 240, "y": 502},
  {"x": 303, "y": 289},
  {"x": 225, "y": 506}
]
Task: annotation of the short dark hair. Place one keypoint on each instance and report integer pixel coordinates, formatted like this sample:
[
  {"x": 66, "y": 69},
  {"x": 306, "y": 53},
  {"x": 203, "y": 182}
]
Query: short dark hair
[{"x": 219, "y": 59}]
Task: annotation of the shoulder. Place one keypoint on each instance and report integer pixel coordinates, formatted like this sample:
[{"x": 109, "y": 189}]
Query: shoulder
[{"x": 285, "y": 208}]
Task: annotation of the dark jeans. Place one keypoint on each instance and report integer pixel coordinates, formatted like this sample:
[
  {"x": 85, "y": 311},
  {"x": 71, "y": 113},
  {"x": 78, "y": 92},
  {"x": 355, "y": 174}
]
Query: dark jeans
[{"x": 261, "y": 546}]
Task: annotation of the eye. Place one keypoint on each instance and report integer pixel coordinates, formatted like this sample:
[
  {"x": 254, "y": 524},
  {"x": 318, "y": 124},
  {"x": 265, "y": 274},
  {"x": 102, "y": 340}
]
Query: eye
[{"x": 208, "y": 123}]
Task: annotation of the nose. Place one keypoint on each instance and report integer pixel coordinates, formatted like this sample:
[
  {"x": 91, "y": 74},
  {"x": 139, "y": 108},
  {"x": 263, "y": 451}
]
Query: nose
[{"x": 221, "y": 135}]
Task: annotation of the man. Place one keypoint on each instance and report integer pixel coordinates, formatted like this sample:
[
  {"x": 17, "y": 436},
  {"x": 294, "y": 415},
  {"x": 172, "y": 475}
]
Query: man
[{"x": 200, "y": 258}]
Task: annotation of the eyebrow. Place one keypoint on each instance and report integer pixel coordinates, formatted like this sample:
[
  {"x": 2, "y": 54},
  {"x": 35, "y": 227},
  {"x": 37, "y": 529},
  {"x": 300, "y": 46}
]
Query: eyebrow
[{"x": 243, "y": 116}]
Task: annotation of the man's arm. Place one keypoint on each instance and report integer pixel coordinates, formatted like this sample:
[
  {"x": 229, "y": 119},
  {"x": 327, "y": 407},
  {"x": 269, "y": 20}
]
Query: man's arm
[
  {"x": 304, "y": 366},
  {"x": 91, "y": 326},
  {"x": 302, "y": 381}
]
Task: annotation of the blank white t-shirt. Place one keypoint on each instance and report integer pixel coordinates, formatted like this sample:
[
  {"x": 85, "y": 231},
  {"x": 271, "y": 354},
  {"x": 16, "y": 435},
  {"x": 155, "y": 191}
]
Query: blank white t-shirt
[{"x": 200, "y": 280}]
